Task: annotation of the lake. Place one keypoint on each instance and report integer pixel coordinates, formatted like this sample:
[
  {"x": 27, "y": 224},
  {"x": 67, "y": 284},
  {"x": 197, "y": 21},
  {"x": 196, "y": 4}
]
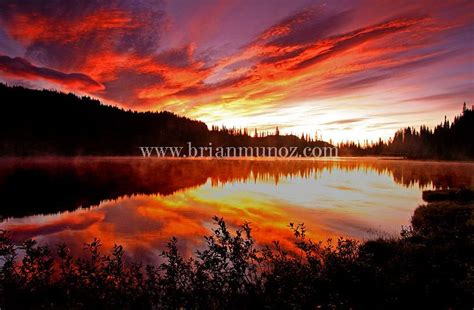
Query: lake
[{"x": 141, "y": 203}]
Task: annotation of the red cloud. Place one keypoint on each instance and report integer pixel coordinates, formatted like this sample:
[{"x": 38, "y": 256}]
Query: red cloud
[
  {"x": 34, "y": 27},
  {"x": 20, "y": 68},
  {"x": 277, "y": 67}
]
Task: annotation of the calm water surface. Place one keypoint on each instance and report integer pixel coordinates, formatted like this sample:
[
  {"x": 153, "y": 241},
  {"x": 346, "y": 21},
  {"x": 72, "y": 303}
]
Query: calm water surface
[{"x": 141, "y": 203}]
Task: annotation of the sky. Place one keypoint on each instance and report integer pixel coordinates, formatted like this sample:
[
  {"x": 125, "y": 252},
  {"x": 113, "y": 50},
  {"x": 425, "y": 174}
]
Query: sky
[{"x": 344, "y": 70}]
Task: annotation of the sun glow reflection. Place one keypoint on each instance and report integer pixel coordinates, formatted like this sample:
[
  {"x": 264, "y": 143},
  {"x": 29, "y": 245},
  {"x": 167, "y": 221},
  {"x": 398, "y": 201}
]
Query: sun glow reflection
[{"x": 345, "y": 197}]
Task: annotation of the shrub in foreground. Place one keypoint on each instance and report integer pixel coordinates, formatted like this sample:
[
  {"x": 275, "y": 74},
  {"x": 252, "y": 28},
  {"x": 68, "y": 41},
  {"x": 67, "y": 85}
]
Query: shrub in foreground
[{"x": 428, "y": 266}]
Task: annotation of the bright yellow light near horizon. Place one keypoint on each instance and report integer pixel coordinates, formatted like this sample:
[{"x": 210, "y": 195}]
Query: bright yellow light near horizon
[
  {"x": 294, "y": 120},
  {"x": 329, "y": 119}
]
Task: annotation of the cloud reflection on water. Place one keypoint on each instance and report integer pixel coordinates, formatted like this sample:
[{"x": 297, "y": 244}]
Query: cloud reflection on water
[{"x": 142, "y": 203}]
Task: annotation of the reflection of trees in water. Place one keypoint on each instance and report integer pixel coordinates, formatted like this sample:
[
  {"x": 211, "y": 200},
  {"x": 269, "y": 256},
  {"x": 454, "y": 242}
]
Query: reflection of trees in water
[
  {"x": 440, "y": 176},
  {"x": 47, "y": 186}
]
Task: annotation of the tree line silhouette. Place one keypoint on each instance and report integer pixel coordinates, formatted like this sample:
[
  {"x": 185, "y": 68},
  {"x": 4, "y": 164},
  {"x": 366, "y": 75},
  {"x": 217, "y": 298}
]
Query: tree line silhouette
[
  {"x": 45, "y": 122},
  {"x": 428, "y": 267},
  {"x": 446, "y": 141}
]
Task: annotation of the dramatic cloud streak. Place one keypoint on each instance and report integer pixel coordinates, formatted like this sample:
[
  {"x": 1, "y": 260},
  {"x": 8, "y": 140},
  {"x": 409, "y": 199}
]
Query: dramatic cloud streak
[
  {"x": 302, "y": 65},
  {"x": 20, "y": 68}
]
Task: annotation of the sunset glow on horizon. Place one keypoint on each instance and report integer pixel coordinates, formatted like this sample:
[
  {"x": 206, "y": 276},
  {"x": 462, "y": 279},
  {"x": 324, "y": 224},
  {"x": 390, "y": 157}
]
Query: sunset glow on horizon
[{"x": 348, "y": 70}]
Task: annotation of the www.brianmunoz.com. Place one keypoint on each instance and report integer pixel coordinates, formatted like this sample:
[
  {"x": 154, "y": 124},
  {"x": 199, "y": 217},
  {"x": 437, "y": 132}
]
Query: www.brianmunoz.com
[{"x": 237, "y": 151}]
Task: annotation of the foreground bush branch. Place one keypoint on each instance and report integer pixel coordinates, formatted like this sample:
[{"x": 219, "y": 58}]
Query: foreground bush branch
[{"x": 428, "y": 266}]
